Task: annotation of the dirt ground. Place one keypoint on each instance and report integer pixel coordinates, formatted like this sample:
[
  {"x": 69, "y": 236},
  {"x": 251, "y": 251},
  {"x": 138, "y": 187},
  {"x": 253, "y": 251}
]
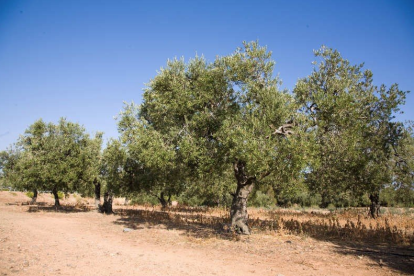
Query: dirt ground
[{"x": 76, "y": 242}]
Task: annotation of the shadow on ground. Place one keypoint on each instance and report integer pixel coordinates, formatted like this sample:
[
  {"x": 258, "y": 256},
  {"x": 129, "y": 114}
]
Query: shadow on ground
[
  {"x": 45, "y": 207},
  {"x": 375, "y": 244},
  {"x": 400, "y": 259},
  {"x": 193, "y": 225}
]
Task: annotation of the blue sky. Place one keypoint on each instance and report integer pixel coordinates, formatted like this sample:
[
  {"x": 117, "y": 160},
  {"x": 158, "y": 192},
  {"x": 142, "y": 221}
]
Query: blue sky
[{"x": 82, "y": 59}]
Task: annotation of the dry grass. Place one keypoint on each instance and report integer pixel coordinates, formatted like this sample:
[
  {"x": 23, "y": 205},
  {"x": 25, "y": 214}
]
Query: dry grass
[
  {"x": 352, "y": 225},
  {"x": 394, "y": 227}
]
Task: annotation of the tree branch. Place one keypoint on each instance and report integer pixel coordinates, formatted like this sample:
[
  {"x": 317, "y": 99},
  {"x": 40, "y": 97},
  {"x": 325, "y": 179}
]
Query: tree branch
[{"x": 284, "y": 130}]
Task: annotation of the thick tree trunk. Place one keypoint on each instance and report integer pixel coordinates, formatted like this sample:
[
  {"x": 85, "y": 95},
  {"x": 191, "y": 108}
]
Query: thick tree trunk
[
  {"x": 34, "y": 198},
  {"x": 97, "y": 192},
  {"x": 374, "y": 208},
  {"x": 55, "y": 193},
  {"x": 238, "y": 211},
  {"x": 107, "y": 206},
  {"x": 163, "y": 201}
]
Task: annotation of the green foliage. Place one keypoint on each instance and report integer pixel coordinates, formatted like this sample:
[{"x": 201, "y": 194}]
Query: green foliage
[
  {"x": 116, "y": 170},
  {"x": 61, "y": 195},
  {"x": 209, "y": 191},
  {"x": 351, "y": 122},
  {"x": 29, "y": 194},
  {"x": 261, "y": 199},
  {"x": 199, "y": 118},
  {"x": 9, "y": 175},
  {"x": 144, "y": 199},
  {"x": 331, "y": 207},
  {"x": 402, "y": 197},
  {"x": 53, "y": 157}
]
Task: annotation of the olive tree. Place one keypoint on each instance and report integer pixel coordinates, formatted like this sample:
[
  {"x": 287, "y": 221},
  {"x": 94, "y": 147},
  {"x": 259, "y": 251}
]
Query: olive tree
[
  {"x": 199, "y": 119},
  {"x": 352, "y": 122},
  {"x": 59, "y": 157}
]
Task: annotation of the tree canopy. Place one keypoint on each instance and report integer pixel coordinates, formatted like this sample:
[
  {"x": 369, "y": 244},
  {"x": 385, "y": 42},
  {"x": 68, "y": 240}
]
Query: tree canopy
[
  {"x": 352, "y": 122},
  {"x": 202, "y": 119},
  {"x": 59, "y": 157}
]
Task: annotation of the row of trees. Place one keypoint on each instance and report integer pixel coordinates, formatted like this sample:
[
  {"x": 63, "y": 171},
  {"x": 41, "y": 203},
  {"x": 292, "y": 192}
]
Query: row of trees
[
  {"x": 208, "y": 129},
  {"x": 53, "y": 158}
]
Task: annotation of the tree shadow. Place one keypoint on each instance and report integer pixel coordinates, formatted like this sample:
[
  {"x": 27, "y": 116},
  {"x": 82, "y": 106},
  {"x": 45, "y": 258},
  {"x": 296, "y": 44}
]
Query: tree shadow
[
  {"x": 66, "y": 209},
  {"x": 63, "y": 208},
  {"x": 385, "y": 245},
  {"x": 400, "y": 259},
  {"x": 380, "y": 245},
  {"x": 192, "y": 224}
]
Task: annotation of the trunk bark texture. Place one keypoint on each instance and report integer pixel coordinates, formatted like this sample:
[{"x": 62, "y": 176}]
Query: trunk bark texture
[
  {"x": 55, "y": 193},
  {"x": 238, "y": 211},
  {"x": 97, "y": 192},
  {"x": 374, "y": 208},
  {"x": 34, "y": 198}
]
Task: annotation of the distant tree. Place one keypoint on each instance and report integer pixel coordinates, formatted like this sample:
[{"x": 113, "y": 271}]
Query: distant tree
[
  {"x": 59, "y": 157},
  {"x": 151, "y": 164},
  {"x": 353, "y": 125},
  {"x": 118, "y": 171},
  {"x": 90, "y": 156},
  {"x": 199, "y": 120},
  {"x": 8, "y": 167},
  {"x": 402, "y": 165}
]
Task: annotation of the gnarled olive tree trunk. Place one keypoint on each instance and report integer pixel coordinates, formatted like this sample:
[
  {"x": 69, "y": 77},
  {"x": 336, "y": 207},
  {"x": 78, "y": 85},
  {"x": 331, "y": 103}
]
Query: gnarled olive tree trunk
[
  {"x": 34, "y": 198},
  {"x": 164, "y": 202},
  {"x": 374, "y": 208},
  {"x": 107, "y": 205},
  {"x": 238, "y": 211},
  {"x": 55, "y": 193}
]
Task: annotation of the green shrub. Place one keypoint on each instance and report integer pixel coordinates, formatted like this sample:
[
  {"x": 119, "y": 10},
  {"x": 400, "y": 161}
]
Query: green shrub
[
  {"x": 331, "y": 207},
  {"x": 143, "y": 199},
  {"x": 61, "y": 195},
  {"x": 193, "y": 201},
  {"x": 29, "y": 194},
  {"x": 261, "y": 199}
]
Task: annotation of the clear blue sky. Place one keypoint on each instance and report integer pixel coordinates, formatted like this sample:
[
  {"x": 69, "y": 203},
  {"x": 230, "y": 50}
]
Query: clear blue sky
[{"x": 82, "y": 59}]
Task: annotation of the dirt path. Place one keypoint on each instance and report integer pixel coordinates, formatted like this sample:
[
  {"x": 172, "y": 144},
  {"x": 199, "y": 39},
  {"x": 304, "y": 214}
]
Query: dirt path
[{"x": 88, "y": 243}]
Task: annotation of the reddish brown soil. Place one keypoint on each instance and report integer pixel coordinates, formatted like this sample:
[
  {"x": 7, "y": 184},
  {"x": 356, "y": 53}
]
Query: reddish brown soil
[{"x": 76, "y": 242}]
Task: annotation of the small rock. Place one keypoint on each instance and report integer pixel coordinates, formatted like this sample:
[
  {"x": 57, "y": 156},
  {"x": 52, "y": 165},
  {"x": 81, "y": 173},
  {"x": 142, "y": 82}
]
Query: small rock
[
  {"x": 128, "y": 230},
  {"x": 289, "y": 242}
]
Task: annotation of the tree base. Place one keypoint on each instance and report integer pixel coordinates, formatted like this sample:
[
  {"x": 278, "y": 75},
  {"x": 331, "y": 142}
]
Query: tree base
[{"x": 106, "y": 208}]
